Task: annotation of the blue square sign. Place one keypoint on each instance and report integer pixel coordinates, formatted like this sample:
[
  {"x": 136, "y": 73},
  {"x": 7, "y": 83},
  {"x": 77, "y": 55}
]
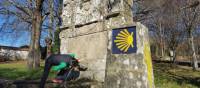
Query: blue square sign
[{"x": 124, "y": 40}]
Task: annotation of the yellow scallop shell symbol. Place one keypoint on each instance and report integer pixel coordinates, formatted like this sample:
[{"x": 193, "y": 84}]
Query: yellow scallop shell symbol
[{"x": 124, "y": 40}]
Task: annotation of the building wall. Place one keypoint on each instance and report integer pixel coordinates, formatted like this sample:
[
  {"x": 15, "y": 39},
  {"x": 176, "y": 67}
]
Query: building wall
[{"x": 8, "y": 54}]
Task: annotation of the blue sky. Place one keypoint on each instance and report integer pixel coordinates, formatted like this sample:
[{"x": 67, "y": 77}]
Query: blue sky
[
  {"x": 18, "y": 38},
  {"x": 21, "y": 36},
  {"x": 13, "y": 38}
]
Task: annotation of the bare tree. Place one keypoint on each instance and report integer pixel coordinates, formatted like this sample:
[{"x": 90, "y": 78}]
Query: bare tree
[
  {"x": 151, "y": 13},
  {"x": 56, "y": 46},
  {"x": 49, "y": 39},
  {"x": 29, "y": 11},
  {"x": 34, "y": 51},
  {"x": 190, "y": 18},
  {"x": 33, "y": 13},
  {"x": 51, "y": 17},
  {"x": 169, "y": 20},
  {"x": 176, "y": 17}
]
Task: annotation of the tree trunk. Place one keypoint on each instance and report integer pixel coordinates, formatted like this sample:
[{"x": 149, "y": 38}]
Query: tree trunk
[
  {"x": 174, "y": 56},
  {"x": 50, "y": 31},
  {"x": 48, "y": 42},
  {"x": 157, "y": 51},
  {"x": 57, "y": 40},
  {"x": 192, "y": 48},
  {"x": 34, "y": 51},
  {"x": 51, "y": 19},
  {"x": 161, "y": 41},
  {"x": 58, "y": 30}
]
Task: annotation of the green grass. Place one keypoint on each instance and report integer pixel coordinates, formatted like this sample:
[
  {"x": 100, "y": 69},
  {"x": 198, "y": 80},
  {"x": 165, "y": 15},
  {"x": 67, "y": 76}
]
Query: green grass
[
  {"x": 19, "y": 71},
  {"x": 166, "y": 75},
  {"x": 171, "y": 76}
]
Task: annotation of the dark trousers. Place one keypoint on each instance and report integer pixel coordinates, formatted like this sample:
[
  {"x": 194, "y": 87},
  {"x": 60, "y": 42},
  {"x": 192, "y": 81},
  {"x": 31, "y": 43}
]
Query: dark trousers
[
  {"x": 67, "y": 75},
  {"x": 47, "y": 68}
]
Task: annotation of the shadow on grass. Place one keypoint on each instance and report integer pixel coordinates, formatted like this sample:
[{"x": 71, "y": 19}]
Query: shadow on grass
[
  {"x": 165, "y": 72},
  {"x": 11, "y": 73},
  {"x": 79, "y": 83},
  {"x": 183, "y": 79}
]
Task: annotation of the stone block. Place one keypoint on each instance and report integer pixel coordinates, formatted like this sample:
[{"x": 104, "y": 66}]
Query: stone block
[{"x": 91, "y": 50}]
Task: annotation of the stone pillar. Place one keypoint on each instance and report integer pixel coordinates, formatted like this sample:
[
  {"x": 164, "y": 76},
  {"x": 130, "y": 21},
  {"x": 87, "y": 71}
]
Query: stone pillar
[
  {"x": 131, "y": 70},
  {"x": 91, "y": 39}
]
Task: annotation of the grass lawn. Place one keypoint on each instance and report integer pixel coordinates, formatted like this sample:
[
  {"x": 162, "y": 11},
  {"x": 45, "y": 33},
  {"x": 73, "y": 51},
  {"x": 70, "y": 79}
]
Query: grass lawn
[
  {"x": 166, "y": 75},
  {"x": 170, "y": 76},
  {"x": 17, "y": 70}
]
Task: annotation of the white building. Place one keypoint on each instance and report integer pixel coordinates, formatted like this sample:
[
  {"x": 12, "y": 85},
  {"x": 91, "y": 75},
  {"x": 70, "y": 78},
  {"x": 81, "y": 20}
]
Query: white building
[{"x": 13, "y": 53}]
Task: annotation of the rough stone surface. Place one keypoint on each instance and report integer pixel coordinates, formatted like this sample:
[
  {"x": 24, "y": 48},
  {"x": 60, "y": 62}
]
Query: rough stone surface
[
  {"x": 89, "y": 50},
  {"x": 129, "y": 71},
  {"x": 85, "y": 11},
  {"x": 88, "y": 33}
]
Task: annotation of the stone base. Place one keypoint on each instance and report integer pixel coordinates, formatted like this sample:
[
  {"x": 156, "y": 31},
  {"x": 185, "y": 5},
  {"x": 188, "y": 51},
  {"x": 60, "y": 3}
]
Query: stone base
[{"x": 131, "y": 70}]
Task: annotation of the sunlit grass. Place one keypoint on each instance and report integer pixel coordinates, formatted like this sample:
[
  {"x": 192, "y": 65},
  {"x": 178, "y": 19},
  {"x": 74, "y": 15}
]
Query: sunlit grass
[{"x": 19, "y": 70}]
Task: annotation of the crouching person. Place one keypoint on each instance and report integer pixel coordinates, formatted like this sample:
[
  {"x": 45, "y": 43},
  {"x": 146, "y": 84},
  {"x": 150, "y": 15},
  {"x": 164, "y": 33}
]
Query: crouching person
[
  {"x": 67, "y": 74},
  {"x": 59, "y": 62}
]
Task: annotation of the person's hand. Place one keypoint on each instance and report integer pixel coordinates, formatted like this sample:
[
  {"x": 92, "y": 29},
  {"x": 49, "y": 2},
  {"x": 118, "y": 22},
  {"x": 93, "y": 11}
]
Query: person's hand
[
  {"x": 76, "y": 68},
  {"x": 82, "y": 68}
]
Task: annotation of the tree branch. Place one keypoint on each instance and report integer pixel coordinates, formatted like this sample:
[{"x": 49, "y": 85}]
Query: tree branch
[
  {"x": 26, "y": 10},
  {"x": 24, "y": 18}
]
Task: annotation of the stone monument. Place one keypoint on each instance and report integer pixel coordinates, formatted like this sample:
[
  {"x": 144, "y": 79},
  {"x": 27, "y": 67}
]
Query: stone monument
[{"x": 88, "y": 30}]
